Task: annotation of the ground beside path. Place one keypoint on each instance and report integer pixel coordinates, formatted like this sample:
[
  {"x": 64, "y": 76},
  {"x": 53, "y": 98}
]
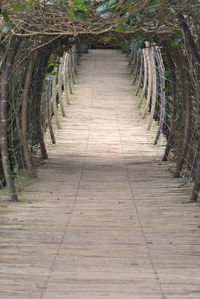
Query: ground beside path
[{"x": 104, "y": 219}]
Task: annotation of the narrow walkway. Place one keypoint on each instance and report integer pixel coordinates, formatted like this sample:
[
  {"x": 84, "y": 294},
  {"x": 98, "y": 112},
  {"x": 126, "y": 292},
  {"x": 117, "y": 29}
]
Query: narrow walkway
[{"x": 104, "y": 219}]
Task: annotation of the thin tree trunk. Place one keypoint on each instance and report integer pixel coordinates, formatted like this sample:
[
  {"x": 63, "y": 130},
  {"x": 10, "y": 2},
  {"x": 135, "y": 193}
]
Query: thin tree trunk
[
  {"x": 170, "y": 140},
  {"x": 133, "y": 61},
  {"x": 194, "y": 54},
  {"x": 196, "y": 188},
  {"x": 3, "y": 126},
  {"x": 186, "y": 135},
  {"x": 131, "y": 57},
  {"x": 191, "y": 45},
  {"x": 54, "y": 102},
  {"x": 163, "y": 99},
  {"x": 24, "y": 120},
  {"x": 43, "y": 150}
]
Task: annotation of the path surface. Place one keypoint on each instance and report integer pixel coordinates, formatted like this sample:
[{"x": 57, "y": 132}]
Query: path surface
[{"x": 104, "y": 219}]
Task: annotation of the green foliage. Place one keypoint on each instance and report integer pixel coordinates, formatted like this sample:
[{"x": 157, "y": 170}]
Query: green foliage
[
  {"x": 106, "y": 39},
  {"x": 78, "y": 8},
  {"x": 175, "y": 43},
  {"x": 179, "y": 33},
  {"x": 166, "y": 89},
  {"x": 19, "y": 7},
  {"x": 120, "y": 28},
  {"x": 168, "y": 74},
  {"x": 5, "y": 15},
  {"x": 124, "y": 46},
  {"x": 53, "y": 63}
]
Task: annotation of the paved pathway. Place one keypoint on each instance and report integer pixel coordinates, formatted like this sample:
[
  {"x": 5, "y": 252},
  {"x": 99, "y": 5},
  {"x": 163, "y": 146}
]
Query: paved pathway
[{"x": 104, "y": 219}]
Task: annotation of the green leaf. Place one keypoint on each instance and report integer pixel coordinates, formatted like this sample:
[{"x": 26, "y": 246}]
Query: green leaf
[
  {"x": 124, "y": 46},
  {"x": 168, "y": 74},
  {"x": 179, "y": 34},
  {"x": 18, "y": 7},
  {"x": 175, "y": 43},
  {"x": 120, "y": 28},
  {"x": 123, "y": 21},
  {"x": 5, "y": 16},
  {"x": 54, "y": 73},
  {"x": 166, "y": 89},
  {"x": 79, "y": 13}
]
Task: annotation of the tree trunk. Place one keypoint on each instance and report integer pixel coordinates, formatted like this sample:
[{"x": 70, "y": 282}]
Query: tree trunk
[
  {"x": 186, "y": 131},
  {"x": 196, "y": 188},
  {"x": 162, "y": 99},
  {"x": 24, "y": 119},
  {"x": 3, "y": 126},
  {"x": 192, "y": 46},
  {"x": 170, "y": 140},
  {"x": 40, "y": 81}
]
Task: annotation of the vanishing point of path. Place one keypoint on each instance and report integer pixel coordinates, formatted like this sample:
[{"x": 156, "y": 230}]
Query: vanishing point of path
[{"x": 104, "y": 219}]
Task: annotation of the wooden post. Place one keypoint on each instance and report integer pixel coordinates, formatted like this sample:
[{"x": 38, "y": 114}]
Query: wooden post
[
  {"x": 154, "y": 86},
  {"x": 137, "y": 68},
  {"x": 49, "y": 112},
  {"x": 69, "y": 74},
  {"x": 65, "y": 78},
  {"x": 145, "y": 77},
  {"x": 71, "y": 69},
  {"x": 59, "y": 89},
  {"x": 141, "y": 72},
  {"x": 150, "y": 77}
]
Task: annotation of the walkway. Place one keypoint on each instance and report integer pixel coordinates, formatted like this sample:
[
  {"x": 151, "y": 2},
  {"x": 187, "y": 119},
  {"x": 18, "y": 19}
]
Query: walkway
[{"x": 104, "y": 219}]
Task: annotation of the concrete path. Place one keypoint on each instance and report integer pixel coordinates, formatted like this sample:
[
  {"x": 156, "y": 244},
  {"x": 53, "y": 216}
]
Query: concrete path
[{"x": 104, "y": 219}]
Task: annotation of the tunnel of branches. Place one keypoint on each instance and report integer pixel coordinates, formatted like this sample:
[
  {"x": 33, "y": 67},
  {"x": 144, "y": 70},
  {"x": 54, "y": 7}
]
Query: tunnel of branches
[{"x": 40, "y": 40}]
